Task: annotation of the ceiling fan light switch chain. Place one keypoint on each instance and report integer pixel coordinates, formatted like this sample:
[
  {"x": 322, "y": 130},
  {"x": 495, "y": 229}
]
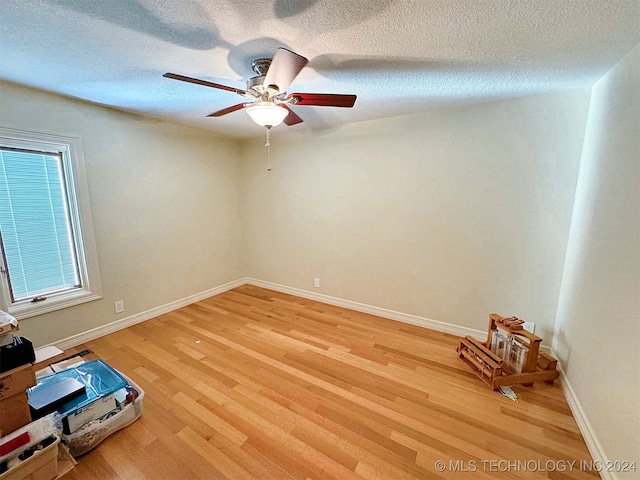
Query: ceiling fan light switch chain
[{"x": 268, "y": 145}]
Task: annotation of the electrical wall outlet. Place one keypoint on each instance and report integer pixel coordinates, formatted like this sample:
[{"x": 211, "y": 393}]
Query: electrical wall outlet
[
  {"x": 529, "y": 327},
  {"x": 119, "y": 306},
  {"x": 316, "y": 282}
]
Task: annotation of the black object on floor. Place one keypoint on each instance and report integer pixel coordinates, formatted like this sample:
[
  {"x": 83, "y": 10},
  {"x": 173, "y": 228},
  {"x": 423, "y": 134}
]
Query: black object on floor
[
  {"x": 15, "y": 354},
  {"x": 79, "y": 354}
]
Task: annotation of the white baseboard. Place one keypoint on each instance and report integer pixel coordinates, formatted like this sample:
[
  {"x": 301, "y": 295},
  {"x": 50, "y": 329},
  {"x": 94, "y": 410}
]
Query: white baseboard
[
  {"x": 588, "y": 434},
  {"x": 102, "y": 330},
  {"x": 436, "y": 325},
  {"x": 424, "y": 322},
  {"x": 378, "y": 311}
]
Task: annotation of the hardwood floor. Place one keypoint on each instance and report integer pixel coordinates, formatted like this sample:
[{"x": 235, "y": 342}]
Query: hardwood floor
[{"x": 257, "y": 384}]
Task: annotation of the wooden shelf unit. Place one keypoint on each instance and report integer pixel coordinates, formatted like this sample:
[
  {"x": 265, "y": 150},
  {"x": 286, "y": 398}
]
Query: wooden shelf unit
[{"x": 492, "y": 369}]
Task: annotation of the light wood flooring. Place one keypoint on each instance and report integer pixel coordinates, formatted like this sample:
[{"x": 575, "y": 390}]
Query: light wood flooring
[{"x": 258, "y": 384}]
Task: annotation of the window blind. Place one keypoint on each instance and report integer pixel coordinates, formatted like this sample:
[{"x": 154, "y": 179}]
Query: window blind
[{"x": 37, "y": 237}]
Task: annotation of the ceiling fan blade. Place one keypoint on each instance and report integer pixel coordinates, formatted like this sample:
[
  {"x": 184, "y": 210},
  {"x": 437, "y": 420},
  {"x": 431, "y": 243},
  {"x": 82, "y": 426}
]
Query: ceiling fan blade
[
  {"x": 292, "y": 118},
  {"x": 284, "y": 67},
  {"x": 224, "y": 111},
  {"x": 323, "y": 99},
  {"x": 182, "y": 78}
]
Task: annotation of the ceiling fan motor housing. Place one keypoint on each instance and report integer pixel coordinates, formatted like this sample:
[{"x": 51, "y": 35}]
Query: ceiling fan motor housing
[{"x": 256, "y": 84}]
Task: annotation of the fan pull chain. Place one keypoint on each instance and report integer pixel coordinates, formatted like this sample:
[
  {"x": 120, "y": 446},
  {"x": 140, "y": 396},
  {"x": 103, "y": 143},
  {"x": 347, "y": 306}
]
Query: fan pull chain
[{"x": 268, "y": 145}]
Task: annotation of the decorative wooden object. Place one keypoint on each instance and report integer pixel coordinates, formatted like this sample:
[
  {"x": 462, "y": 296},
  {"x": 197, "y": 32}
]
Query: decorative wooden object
[
  {"x": 486, "y": 364},
  {"x": 493, "y": 370}
]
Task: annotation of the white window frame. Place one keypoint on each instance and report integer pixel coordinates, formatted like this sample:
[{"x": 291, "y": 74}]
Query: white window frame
[{"x": 70, "y": 151}]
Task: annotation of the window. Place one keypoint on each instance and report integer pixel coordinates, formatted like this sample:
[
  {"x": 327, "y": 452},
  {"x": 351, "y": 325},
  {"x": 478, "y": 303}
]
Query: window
[{"x": 49, "y": 257}]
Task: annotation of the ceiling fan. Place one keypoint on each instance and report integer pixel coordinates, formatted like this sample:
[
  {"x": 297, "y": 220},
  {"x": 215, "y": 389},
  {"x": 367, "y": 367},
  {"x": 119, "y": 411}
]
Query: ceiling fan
[{"x": 270, "y": 103}]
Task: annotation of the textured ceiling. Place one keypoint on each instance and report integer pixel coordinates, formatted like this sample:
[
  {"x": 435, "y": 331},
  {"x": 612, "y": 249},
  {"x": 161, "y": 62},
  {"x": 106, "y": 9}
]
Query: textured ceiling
[{"x": 398, "y": 56}]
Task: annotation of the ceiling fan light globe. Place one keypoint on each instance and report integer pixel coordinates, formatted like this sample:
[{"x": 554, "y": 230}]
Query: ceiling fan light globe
[{"x": 267, "y": 114}]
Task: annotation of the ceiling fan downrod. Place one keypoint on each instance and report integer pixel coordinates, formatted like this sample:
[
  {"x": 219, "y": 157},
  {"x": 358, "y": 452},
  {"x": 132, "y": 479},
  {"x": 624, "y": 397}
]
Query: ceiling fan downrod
[{"x": 261, "y": 66}]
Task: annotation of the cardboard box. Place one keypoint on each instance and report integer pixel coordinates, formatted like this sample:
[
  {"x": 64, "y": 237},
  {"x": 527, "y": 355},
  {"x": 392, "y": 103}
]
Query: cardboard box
[
  {"x": 7, "y": 323},
  {"x": 42, "y": 465},
  {"x": 16, "y": 381},
  {"x": 65, "y": 461},
  {"x": 96, "y": 409},
  {"x": 6, "y": 328},
  {"x": 14, "y": 413}
]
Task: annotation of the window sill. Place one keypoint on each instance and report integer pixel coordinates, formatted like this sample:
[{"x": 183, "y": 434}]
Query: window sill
[{"x": 52, "y": 303}]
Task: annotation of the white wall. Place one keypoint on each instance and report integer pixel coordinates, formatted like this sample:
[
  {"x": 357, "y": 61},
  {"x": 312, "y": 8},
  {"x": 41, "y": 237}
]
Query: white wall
[
  {"x": 598, "y": 323},
  {"x": 165, "y": 202},
  {"x": 448, "y": 215}
]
